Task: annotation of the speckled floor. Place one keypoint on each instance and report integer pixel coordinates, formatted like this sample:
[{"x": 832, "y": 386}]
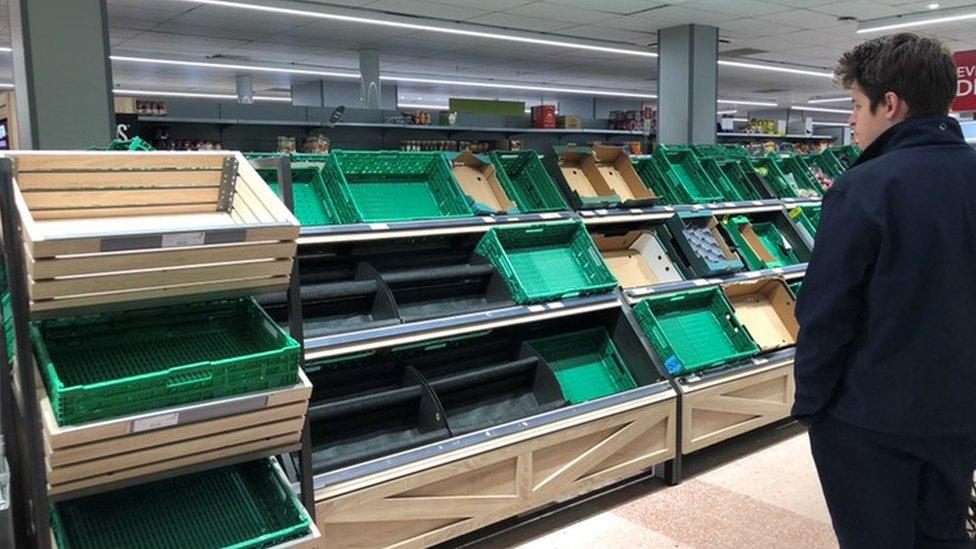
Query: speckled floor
[{"x": 759, "y": 490}]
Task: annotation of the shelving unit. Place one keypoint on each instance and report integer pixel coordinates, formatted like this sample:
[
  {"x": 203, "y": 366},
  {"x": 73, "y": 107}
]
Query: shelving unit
[{"x": 774, "y": 136}]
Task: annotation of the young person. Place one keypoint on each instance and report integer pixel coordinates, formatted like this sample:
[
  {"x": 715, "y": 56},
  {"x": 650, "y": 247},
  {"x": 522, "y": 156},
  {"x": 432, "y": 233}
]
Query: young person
[{"x": 886, "y": 357}]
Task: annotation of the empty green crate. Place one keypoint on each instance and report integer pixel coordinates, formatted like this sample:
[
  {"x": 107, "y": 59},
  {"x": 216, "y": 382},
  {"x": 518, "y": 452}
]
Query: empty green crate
[
  {"x": 655, "y": 178},
  {"x": 313, "y": 205},
  {"x": 731, "y": 191},
  {"x": 242, "y": 506},
  {"x": 686, "y": 176},
  {"x": 375, "y": 186},
  {"x": 767, "y": 236},
  {"x": 741, "y": 175},
  {"x": 800, "y": 170},
  {"x": 547, "y": 262},
  {"x": 808, "y": 217},
  {"x": 782, "y": 185},
  {"x": 694, "y": 330},
  {"x": 720, "y": 151},
  {"x": 120, "y": 363},
  {"x": 795, "y": 288},
  {"x": 846, "y": 154},
  {"x": 523, "y": 177},
  {"x": 586, "y": 364},
  {"x": 828, "y": 163}
]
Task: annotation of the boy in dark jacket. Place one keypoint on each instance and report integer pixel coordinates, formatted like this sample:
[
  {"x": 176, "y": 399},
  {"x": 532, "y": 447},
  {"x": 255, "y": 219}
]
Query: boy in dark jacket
[{"x": 886, "y": 358}]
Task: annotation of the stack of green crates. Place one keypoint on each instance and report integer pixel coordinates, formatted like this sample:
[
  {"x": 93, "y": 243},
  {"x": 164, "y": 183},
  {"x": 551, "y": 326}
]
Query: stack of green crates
[
  {"x": 846, "y": 154},
  {"x": 119, "y": 363},
  {"x": 586, "y": 364},
  {"x": 694, "y": 330},
  {"x": 741, "y": 175},
  {"x": 721, "y": 151},
  {"x": 769, "y": 238},
  {"x": 525, "y": 180},
  {"x": 377, "y": 186},
  {"x": 655, "y": 178},
  {"x": 547, "y": 262},
  {"x": 800, "y": 170},
  {"x": 827, "y": 162},
  {"x": 687, "y": 178},
  {"x": 783, "y": 185},
  {"x": 313, "y": 205},
  {"x": 735, "y": 188},
  {"x": 241, "y": 506},
  {"x": 808, "y": 216}
]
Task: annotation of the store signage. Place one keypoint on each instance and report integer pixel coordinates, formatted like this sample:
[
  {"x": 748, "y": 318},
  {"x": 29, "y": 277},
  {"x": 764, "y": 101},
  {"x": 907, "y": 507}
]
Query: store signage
[{"x": 966, "y": 84}]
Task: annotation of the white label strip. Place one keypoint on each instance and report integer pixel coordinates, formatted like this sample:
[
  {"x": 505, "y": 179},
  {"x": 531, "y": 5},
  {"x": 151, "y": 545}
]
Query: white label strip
[
  {"x": 378, "y": 226},
  {"x": 586, "y": 213},
  {"x": 536, "y": 308},
  {"x": 550, "y": 215},
  {"x": 557, "y": 305},
  {"x": 668, "y": 208},
  {"x": 697, "y": 207},
  {"x": 155, "y": 422},
  {"x": 752, "y": 275},
  {"x": 700, "y": 282},
  {"x": 637, "y": 211},
  {"x": 602, "y": 212},
  {"x": 757, "y": 203},
  {"x": 183, "y": 239},
  {"x": 488, "y": 219},
  {"x": 730, "y": 204}
]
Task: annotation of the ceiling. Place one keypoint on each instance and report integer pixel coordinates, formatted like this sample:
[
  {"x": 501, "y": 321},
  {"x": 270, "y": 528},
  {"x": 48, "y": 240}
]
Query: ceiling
[{"x": 800, "y": 33}]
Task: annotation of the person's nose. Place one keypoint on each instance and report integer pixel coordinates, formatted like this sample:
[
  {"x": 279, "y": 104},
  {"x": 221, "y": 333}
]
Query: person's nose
[{"x": 851, "y": 120}]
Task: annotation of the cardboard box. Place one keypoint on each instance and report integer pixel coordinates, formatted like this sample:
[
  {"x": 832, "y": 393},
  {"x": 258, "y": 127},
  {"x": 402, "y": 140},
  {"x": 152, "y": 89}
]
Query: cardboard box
[
  {"x": 544, "y": 116},
  {"x": 569, "y": 121},
  {"x": 766, "y": 308},
  {"x": 637, "y": 258},
  {"x": 478, "y": 179},
  {"x": 618, "y": 171}
]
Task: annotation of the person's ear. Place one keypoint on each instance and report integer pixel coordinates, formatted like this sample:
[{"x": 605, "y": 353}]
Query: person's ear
[{"x": 895, "y": 108}]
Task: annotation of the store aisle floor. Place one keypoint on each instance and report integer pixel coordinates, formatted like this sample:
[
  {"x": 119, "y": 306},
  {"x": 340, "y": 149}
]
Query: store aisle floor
[{"x": 759, "y": 490}]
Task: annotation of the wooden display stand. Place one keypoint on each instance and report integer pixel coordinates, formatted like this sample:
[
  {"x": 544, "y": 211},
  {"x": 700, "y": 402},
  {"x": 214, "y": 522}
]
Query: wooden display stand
[
  {"x": 441, "y": 498},
  {"x": 713, "y": 410}
]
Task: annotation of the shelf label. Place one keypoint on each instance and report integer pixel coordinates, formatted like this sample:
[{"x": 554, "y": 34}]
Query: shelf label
[
  {"x": 550, "y": 215},
  {"x": 155, "y": 422},
  {"x": 183, "y": 239},
  {"x": 536, "y": 308},
  {"x": 700, "y": 282},
  {"x": 757, "y": 202},
  {"x": 602, "y": 212},
  {"x": 556, "y": 305},
  {"x": 585, "y": 213},
  {"x": 488, "y": 219},
  {"x": 697, "y": 207},
  {"x": 668, "y": 209},
  {"x": 730, "y": 204},
  {"x": 378, "y": 226},
  {"x": 755, "y": 274}
]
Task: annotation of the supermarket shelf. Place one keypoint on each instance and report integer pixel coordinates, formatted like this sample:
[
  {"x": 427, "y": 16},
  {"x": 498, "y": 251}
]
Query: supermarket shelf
[
  {"x": 736, "y": 135},
  {"x": 240, "y": 458},
  {"x": 773, "y": 358},
  {"x": 603, "y": 216},
  {"x": 433, "y": 450},
  {"x": 325, "y": 234},
  {"x": 384, "y": 126},
  {"x": 388, "y": 336},
  {"x": 789, "y": 273}
]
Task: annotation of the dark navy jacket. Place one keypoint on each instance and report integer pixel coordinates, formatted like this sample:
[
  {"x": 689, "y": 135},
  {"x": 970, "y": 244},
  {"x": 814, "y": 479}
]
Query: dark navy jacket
[{"x": 887, "y": 311}]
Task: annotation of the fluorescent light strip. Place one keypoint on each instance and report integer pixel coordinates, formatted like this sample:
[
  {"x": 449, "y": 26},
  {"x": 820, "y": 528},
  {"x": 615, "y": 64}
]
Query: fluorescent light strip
[
  {"x": 283, "y": 70},
  {"x": 6, "y": 86},
  {"x": 493, "y": 85},
  {"x": 748, "y": 102},
  {"x": 829, "y": 100},
  {"x": 6, "y": 49},
  {"x": 733, "y": 111},
  {"x": 740, "y": 119},
  {"x": 422, "y": 106},
  {"x": 773, "y": 68},
  {"x": 198, "y": 95},
  {"x": 419, "y": 27},
  {"x": 915, "y": 23},
  {"x": 831, "y": 124},
  {"x": 818, "y": 109}
]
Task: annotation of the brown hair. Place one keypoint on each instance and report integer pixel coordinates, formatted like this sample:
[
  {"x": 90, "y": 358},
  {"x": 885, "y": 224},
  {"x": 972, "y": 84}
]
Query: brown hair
[{"x": 920, "y": 70}]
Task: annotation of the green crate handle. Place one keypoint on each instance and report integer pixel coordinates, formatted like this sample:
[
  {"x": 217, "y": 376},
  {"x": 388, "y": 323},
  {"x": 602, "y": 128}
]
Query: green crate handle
[
  {"x": 533, "y": 230},
  {"x": 173, "y": 383}
]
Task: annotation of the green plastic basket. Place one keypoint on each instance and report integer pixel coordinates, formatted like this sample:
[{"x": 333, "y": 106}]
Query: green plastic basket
[
  {"x": 772, "y": 173},
  {"x": 655, "y": 178},
  {"x": 313, "y": 205},
  {"x": 730, "y": 191},
  {"x": 694, "y": 330},
  {"x": 769, "y": 238},
  {"x": 846, "y": 155},
  {"x": 800, "y": 170},
  {"x": 795, "y": 288},
  {"x": 808, "y": 217},
  {"x": 687, "y": 178},
  {"x": 119, "y": 363},
  {"x": 586, "y": 364},
  {"x": 547, "y": 262},
  {"x": 523, "y": 177},
  {"x": 828, "y": 163},
  {"x": 720, "y": 151},
  {"x": 241, "y": 506},
  {"x": 743, "y": 177},
  {"x": 375, "y": 186}
]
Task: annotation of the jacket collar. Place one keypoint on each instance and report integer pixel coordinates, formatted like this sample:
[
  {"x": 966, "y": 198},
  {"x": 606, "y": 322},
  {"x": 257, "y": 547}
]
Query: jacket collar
[{"x": 914, "y": 132}]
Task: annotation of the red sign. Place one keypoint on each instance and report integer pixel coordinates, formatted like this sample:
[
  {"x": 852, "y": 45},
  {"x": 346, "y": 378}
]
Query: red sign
[{"x": 966, "y": 85}]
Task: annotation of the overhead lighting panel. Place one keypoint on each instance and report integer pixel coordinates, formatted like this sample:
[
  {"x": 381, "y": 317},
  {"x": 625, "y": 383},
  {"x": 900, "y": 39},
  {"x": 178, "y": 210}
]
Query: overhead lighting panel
[
  {"x": 918, "y": 19},
  {"x": 818, "y": 109}
]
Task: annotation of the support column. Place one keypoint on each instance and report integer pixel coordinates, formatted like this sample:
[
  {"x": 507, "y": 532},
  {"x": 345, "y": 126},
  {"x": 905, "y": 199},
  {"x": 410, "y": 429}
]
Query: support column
[
  {"x": 369, "y": 78},
  {"x": 687, "y": 84},
  {"x": 245, "y": 89},
  {"x": 62, "y": 73}
]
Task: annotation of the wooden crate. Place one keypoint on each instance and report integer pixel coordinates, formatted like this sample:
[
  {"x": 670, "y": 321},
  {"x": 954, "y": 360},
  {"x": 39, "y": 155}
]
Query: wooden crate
[
  {"x": 718, "y": 409},
  {"x": 111, "y": 227},
  {"x": 86, "y": 456},
  {"x": 441, "y": 498}
]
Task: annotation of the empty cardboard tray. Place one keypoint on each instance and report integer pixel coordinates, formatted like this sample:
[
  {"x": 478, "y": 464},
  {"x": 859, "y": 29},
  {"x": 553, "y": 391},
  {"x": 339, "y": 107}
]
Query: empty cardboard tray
[
  {"x": 479, "y": 181},
  {"x": 703, "y": 245},
  {"x": 637, "y": 258},
  {"x": 576, "y": 171},
  {"x": 618, "y": 172},
  {"x": 766, "y": 308},
  {"x": 115, "y": 227}
]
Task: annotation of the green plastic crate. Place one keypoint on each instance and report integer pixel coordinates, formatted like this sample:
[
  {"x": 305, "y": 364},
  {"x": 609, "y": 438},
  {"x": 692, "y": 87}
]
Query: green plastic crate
[
  {"x": 586, "y": 364},
  {"x": 547, "y": 262},
  {"x": 770, "y": 170},
  {"x": 119, "y": 363},
  {"x": 808, "y": 216},
  {"x": 242, "y": 506},
  {"x": 523, "y": 177},
  {"x": 730, "y": 190},
  {"x": 656, "y": 179},
  {"x": 313, "y": 205},
  {"x": 828, "y": 163},
  {"x": 795, "y": 288},
  {"x": 694, "y": 330},
  {"x": 769, "y": 238},
  {"x": 800, "y": 170},
  {"x": 375, "y": 186},
  {"x": 846, "y": 154},
  {"x": 720, "y": 151},
  {"x": 687, "y": 178},
  {"x": 743, "y": 177}
]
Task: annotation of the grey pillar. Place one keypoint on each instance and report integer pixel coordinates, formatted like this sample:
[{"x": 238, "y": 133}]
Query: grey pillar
[
  {"x": 245, "y": 89},
  {"x": 62, "y": 73},
  {"x": 369, "y": 78},
  {"x": 687, "y": 84}
]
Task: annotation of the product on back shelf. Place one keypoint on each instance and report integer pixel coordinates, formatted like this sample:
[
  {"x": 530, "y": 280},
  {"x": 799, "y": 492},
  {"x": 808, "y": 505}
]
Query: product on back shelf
[{"x": 544, "y": 116}]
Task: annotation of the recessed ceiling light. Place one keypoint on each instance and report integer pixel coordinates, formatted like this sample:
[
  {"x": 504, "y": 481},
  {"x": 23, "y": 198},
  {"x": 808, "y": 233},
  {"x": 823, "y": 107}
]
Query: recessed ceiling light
[
  {"x": 817, "y": 109},
  {"x": 748, "y": 102},
  {"x": 774, "y": 68},
  {"x": 829, "y": 100}
]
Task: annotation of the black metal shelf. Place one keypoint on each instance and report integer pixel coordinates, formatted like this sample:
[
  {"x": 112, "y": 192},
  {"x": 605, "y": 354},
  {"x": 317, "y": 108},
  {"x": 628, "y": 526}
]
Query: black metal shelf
[
  {"x": 756, "y": 362},
  {"x": 789, "y": 273}
]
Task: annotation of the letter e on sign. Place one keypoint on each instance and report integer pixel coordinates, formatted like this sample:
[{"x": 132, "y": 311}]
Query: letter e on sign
[{"x": 966, "y": 85}]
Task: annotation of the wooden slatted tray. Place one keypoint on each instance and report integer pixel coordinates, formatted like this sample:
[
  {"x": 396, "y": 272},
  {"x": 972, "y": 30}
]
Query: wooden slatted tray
[{"x": 114, "y": 227}]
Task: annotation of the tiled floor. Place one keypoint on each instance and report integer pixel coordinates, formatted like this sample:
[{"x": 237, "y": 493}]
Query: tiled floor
[{"x": 759, "y": 490}]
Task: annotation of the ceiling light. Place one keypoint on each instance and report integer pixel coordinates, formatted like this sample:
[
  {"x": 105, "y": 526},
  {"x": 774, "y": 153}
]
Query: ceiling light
[
  {"x": 198, "y": 95},
  {"x": 818, "y": 109},
  {"x": 733, "y": 111},
  {"x": 831, "y": 124},
  {"x": 423, "y": 106},
  {"x": 748, "y": 102},
  {"x": 6, "y": 49},
  {"x": 829, "y": 100},
  {"x": 740, "y": 119},
  {"x": 422, "y": 27},
  {"x": 6, "y": 86},
  {"x": 230, "y": 66},
  {"x": 916, "y": 19},
  {"x": 495, "y": 85},
  {"x": 774, "y": 68}
]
